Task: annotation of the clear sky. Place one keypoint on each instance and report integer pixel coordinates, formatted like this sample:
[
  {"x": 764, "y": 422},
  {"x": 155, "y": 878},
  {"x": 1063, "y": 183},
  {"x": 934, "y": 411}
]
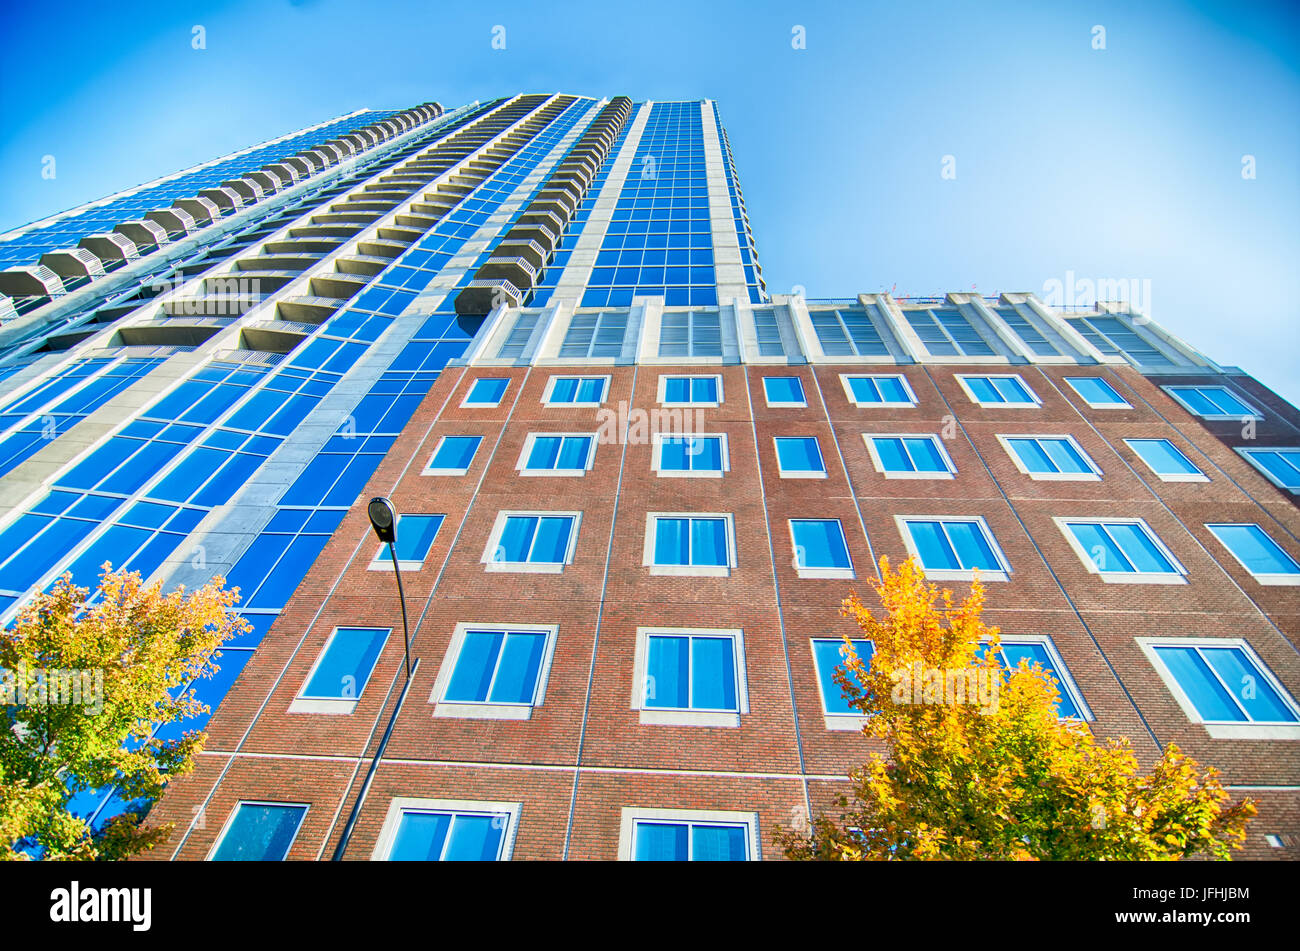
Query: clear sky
[{"x": 1123, "y": 163}]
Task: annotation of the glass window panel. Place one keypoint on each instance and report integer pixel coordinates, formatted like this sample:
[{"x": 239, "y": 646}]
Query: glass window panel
[
  {"x": 1103, "y": 551},
  {"x": 1250, "y": 688},
  {"x": 347, "y": 663},
  {"x": 1163, "y": 457},
  {"x": 892, "y": 455},
  {"x": 932, "y": 546},
  {"x": 552, "y": 540},
  {"x": 472, "y": 677},
  {"x": 925, "y": 454},
  {"x": 420, "y": 837},
  {"x": 1032, "y": 455},
  {"x": 520, "y": 662},
  {"x": 474, "y": 839},
  {"x": 709, "y": 541},
  {"x": 672, "y": 541},
  {"x": 713, "y": 673},
  {"x": 667, "y": 672},
  {"x": 1212, "y": 701},
  {"x": 661, "y": 842},
  {"x": 1259, "y": 553},
  {"x": 828, "y": 658},
  {"x": 259, "y": 833},
  {"x": 1139, "y": 547},
  {"x": 973, "y": 549},
  {"x": 717, "y": 843},
  {"x": 455, "y": 452},
  {"x": 783, "y": 389},
  {"x": 516, "y": 538},
  {"x": 819, "y": 543}
]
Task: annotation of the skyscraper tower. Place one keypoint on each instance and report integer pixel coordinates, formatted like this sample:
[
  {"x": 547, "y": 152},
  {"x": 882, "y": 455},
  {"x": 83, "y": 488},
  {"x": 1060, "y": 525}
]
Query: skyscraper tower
[{"x": 633, "y": 489}]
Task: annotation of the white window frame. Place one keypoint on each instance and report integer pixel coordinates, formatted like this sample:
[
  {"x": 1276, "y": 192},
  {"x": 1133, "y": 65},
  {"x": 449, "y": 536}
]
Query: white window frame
[
  {"x": 1197, "y": 476},
  {"x": 1177, "y": 576},
  {"x": 1094, "y": 475},
  {"x": 429, "y": 468},
  {"x": 698, "y": 571},
  {"x": 1245, "y": 453},
  {"x": 806, "y": 572},
  {"x": 466, "y": 404},
  {"x": 1268, "y": 578},
  {"x": 498, "y": 529},
  {"x": 1173, "y": 388},
  {"x": 1220, "y": 730},
  {"x": 935, "y": 441},
  {"x": 486, "y": 710},
  {"x": 800, "y": 473},
  {"x": 403, "y": 804},
  {"x": 1064, "y": 679},
  {"x": 230, "y": 820},
  {"x": 338, "y": 706},
  {"x": 785, "y": 404},
  {"x": 521, "y": 466},
  {"x": 659, "y": 716},
  {"x": 657, "y": 455},
  {"x": 1034, "y": 401},
  {"x": 663, "y": 389},
  {"x": 955, "y": 574},
  {"x": 846, "y": 382},
  {"x": 377, "y": 564},
  {"x": 631, "y": 815},
  {"x": 550, "y": 389},
  {"x": 836, "y": 722},
  {"x": 1122, "y": 404}
]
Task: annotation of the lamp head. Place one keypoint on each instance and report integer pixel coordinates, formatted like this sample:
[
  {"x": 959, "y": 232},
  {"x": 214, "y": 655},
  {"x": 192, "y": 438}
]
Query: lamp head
[{"x": 383, "y": 519}]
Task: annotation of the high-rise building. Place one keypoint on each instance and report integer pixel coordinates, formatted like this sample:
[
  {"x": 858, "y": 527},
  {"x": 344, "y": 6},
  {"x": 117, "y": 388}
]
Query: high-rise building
[{"x": 632, "y": 488}]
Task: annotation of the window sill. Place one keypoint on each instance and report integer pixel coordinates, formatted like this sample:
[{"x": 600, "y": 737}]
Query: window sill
[
  {"x": 1253, "y": 731},
  {"x": 846, "y": 573},
  {"x": 523, "y": 567},
  {"x": 696, "y": 571},
  {"x": 801, "y": 475},
  {"x": 845, "y": 723},
  {"x": 1139, "y": 578},
  {"x": 948, "y": 574},
  {"x": 916, "y": 475},
  {"x": 313, "y": 705},
  {"x": 553, "y": 473},
  {"x": 719, "y": 718},
  {"x": 482, "y": 711},
  {"x": 689, "y": 473},
  {"x": 1064, "y": 476}
]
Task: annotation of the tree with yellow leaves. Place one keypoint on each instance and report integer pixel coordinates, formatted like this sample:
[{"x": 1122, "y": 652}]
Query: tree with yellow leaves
[
  {"x": 84, "y": 684},
  {"x": 980, "y": 766}
]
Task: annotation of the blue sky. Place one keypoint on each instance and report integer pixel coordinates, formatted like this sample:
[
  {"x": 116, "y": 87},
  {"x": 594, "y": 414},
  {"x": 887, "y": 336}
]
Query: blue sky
[{"x": 1115, "y": 164}]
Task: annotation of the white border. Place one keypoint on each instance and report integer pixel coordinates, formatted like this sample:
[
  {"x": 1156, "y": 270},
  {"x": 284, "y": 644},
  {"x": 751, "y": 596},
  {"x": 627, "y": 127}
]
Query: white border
[
  {"x": 499, "y": 527},
  {"x": 1269, "y": 578},
  {"x": 531, "y": 439},
  {"x": 632, "y": 814},
  {"x": 698, "y": 571},
  {"x": 800, "y": 473},
  {"x": 402, "y": 804},
  {"x": 837, "y": 722},
  {"x": 785, "y": 404},
  {"x": 656, "y": 457},
  {"x": 486, "y": 710},
  {"x": 550, "y": 387},
  {"x": 805, "y": 572},
  {"x": 935, "y": 441},
  {"x": 1177, "y": 576},
  {"x": 1122, "y": 404},
  {"x": 429, "y": 469},
  {"x": 466, "y": 404},
  {"x": 669, "y": 717},
  {"x": 1173, "y": 388},
  {"x": 955, "y": 574},
  {"x": 340, "y": 705},
  {"x": 1092, "y": 476},
  {"x": 1197, "y": 476},
  {"x": 845, "y": 379},
  {"x": 230, "y": 819},
  {"x": 1035, "y": 402},
  {"x": 663, "y": 387},
  {"x": 1245, "y": 451}
]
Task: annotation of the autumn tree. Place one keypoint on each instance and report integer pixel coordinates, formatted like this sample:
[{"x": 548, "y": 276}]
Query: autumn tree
[
  {"x": 84, "y": 683},
  {"x": 979, "y": 764}
]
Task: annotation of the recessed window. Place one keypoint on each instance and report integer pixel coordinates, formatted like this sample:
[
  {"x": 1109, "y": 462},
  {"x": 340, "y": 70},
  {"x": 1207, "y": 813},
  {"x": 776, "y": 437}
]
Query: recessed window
[
  {"x": 259, "y": 832},
  {"x": 1096, "y": 392},
  {"x": 690, "y": 455},
  {"x": 1213, "y": 402},
  {"x": 443, "y": 830},
  {"x": 799, "y": 457},
  {"x": 878, "y": 389},
  {"x": 342, "y": 671},
  {"x": 415, "y": 535},
  {"x": 557, "y": 454},
  {"x": 1050, "y": 457},
  {"x": 690, "y": 390},
  {"x": 828, "y": 657},
  {"x": 820, "y": 549},
  {"x": 687, "y": 835},
  {"x": 1280, "y": 466},
  {"x": 784, "y": 391},
  {"x": 682, "y": 544},
  {"x": 998, "y": 390},
  {"x": 1123, "y": 550},
  {"x": 689, "y": 677},
  {"x": 453, "y": 455},
  {"x": 1040, "y": 650},
  {"x": 953, "y": 549},
  {"x": 910, "y": 456},
  {"x": 1221, "y": 683},
  {"x": 1166, "y": 460},
  {"x": 532, "y": 541},
  {"x": 486, "y": 391},
  {"x": 1257, "y": 553},
  {"x": 575, "y": 390},
  {"x": 495, "y": 673}
]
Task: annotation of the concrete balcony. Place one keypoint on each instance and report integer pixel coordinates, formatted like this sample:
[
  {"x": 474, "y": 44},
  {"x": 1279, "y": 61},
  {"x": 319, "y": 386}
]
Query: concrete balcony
[
  {"x": 517, "y": 270},
  {"x": 143, "y": 234},
  {"x": 110, "y": 247},
  {"x": 73, "y": 262},
  {"x": 481, "y": 297},
  {"x": 530, "y": 251},
  {"x": 307, "y": 309}
]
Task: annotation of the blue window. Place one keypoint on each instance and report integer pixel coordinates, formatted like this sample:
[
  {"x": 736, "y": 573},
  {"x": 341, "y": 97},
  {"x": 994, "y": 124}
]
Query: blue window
[
  {"x": 345, "y": 664},
  {"x": 537, "y": 539},
  {"x": 1050, "y": 456},
  {"x": 1121, "y": 548},
  {"x": 588, "y": 391},
  {"x": 558, "y": 452},
  {"x": 953, "y": 544},
  {"x": 820, "y": 547},
  {"x": 910, "y": 455},
  {"x": 998, "y": 390},
  {"x": 486, "y": 391},
  {"x": 880, "y": 390},
  {"x": 1165, "y": 459},
  {"x": 799, "y": 456},
  {"x": 690, "y": 842},
  {"x": 703, "y": 454},
  {"x": 685, "y": 390},
  {"x": 454, "y": 455},
  {"x": 498, "y": 667},
  {"x": 259, "y": 832},
  {"x": 1095, "y": 391},
  {"x": 1258, "y": 554},
  {"x": 1035, "y": 651},
  {"x": 784, "y": 391},
  {"x": 1225, "y": 683},
  {"x": 1212, "y": 402},
  {"x": 415, "y": 535},
  {"x": 691, "y": 541},
  {"x": 828, "y": 656},
  {"x": 691, "y": 672},
  {"x": 1281, "y": 466},
  {"x": 427, "y": 836}
]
